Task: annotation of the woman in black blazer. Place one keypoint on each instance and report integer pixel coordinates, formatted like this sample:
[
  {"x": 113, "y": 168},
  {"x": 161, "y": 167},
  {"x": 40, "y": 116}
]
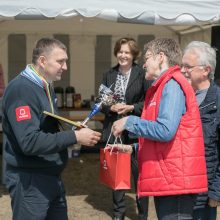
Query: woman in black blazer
[{"x": 127, "y": 80}]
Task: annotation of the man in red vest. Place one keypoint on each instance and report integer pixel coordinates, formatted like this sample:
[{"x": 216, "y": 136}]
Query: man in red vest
[{"x": 171, "y": 147}]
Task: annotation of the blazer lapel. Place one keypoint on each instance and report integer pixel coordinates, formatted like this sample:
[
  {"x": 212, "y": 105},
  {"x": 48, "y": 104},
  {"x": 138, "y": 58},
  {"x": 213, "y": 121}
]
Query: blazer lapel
[
  {"x": 133, "y": 77},
  {"x": 112, "y": 78}
]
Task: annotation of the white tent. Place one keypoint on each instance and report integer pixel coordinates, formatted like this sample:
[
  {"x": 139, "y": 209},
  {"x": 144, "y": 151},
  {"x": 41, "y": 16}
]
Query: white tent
[
  {"x": 84, "y": 18},
  {"x": 139, "y": 11}
]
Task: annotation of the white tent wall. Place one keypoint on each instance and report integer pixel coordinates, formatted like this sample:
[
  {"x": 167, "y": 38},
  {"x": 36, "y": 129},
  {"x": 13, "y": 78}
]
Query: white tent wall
[
  {"x": 82, "y": 36},
  {"x": 3, "y": 54},
  {"x": 203, "y": 35}
]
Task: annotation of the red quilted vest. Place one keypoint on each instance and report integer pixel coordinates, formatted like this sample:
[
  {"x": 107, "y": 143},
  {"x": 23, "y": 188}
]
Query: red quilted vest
[{"x": 177, "y": 166}]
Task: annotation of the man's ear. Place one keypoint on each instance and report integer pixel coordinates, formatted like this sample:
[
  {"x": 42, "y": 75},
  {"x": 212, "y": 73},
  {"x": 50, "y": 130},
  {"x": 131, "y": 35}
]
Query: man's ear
[
  {"x": 207, "y": 70},
  {"x": 41, "y": 61}
]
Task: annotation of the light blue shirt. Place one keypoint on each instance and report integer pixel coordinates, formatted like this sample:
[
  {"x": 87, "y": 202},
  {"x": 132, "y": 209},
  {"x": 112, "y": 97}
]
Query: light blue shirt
[{"x": 172, "y": 107}]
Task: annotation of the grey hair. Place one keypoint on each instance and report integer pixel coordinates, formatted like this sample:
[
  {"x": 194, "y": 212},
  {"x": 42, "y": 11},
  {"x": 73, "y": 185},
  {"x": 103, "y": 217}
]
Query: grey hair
[{"x": 206, "y": 55}]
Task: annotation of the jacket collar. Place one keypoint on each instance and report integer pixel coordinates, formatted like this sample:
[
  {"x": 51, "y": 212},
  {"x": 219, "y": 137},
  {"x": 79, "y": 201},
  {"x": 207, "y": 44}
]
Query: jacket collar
[
  {"x": 211, "y": 95},
  {"x": 32, "y": 76}
]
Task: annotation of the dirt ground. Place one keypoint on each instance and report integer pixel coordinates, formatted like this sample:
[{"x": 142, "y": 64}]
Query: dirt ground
[{"x": 86, "y": 197}]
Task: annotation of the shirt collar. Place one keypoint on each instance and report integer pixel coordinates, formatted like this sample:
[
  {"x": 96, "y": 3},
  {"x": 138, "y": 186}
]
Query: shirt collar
[{"x": 31, "y": 74}]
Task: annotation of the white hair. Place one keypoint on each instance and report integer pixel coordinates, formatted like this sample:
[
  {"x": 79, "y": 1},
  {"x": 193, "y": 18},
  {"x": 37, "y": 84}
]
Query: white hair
[{"x": 206, "y": 55}]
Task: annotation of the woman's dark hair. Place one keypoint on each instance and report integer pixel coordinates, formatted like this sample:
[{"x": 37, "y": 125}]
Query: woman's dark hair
[{"x": 132, "y": 45}]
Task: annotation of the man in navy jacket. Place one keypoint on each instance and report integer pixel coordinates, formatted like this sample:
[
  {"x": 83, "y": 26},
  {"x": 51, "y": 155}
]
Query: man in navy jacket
[
  {"x": 198, "y": 65},
  {"x": 35, "y": 148}
]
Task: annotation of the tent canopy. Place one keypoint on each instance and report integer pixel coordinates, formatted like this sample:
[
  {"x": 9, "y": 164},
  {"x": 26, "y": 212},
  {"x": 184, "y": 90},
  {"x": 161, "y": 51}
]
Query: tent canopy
[{"x": 162, "y": 12}]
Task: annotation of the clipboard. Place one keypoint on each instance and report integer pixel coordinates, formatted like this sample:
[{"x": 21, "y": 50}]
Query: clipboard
[{"x": 76, "y": 124}]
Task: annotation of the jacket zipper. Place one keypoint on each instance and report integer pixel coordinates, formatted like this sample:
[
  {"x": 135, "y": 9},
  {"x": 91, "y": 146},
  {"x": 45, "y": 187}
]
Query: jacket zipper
[{"x": 206, "y": 105}]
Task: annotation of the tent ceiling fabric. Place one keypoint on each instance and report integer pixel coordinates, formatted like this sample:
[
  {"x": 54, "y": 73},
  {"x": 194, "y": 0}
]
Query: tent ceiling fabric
[{"x": 161, "y": 12}]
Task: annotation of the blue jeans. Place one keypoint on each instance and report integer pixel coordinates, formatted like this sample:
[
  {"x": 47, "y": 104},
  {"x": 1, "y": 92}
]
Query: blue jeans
[
  {"x": 207, "y": 213},
  {"x": 176, "y": 207}
]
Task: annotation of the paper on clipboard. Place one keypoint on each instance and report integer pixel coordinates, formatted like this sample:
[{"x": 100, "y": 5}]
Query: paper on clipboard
[{"x": 76, "y": 124}]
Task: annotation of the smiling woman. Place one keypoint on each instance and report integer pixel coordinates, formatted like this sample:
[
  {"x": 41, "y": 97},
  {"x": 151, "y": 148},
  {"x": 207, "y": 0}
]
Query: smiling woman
[{"x": 129, "y": 85}]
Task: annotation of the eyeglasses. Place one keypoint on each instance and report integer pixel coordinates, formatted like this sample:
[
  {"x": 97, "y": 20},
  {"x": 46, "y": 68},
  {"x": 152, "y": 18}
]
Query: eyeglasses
[
  {"x": 147, "y": 57},
  {"x": 187, "y": 67}
]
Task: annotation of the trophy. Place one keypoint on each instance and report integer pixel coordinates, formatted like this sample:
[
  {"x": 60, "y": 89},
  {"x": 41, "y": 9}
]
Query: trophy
[{"x": 105, "y": 97}]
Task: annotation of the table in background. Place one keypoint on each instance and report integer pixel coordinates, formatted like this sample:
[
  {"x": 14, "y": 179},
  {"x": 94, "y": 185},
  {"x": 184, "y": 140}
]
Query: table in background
[{"x": 80, "y": 114}]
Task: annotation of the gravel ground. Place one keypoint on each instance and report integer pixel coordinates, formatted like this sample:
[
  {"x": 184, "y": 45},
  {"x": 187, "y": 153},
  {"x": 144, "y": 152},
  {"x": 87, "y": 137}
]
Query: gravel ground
[{"x": 86, "y": 197}]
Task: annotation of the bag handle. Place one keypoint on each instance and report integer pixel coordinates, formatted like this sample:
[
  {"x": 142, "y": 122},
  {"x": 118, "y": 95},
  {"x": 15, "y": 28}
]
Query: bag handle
[
  {"x": 115, "y": 142},
  {"x": 108, "y": 139}
]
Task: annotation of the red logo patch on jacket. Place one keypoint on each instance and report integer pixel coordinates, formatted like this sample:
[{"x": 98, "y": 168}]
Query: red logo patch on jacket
[{"x": 23, "y": 113}]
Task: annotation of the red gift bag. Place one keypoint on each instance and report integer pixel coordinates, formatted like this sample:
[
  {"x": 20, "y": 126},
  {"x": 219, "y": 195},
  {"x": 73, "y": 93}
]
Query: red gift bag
[{"x": 115, "y": 168}]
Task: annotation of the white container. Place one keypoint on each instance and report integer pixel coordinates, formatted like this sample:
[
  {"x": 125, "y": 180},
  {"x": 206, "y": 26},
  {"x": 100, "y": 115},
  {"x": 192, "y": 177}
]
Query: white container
[{"x": 76, "y": 150}]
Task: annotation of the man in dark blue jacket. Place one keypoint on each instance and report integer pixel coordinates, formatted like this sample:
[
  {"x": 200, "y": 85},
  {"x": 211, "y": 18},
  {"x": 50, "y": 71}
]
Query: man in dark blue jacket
[
  {"x": 198, "y": 65},
  {"x": 35, "y": 148}
]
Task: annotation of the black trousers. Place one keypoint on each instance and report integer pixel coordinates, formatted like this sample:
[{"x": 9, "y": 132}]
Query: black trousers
[
  {"x": 175, "y": 207},
  {"x": 119, "y": 197},
  {"x": 36, "y": 196}
]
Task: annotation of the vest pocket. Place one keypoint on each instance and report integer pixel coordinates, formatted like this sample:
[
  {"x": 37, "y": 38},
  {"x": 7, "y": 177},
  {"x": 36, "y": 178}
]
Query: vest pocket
[{"x": 165, "y": 171}]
